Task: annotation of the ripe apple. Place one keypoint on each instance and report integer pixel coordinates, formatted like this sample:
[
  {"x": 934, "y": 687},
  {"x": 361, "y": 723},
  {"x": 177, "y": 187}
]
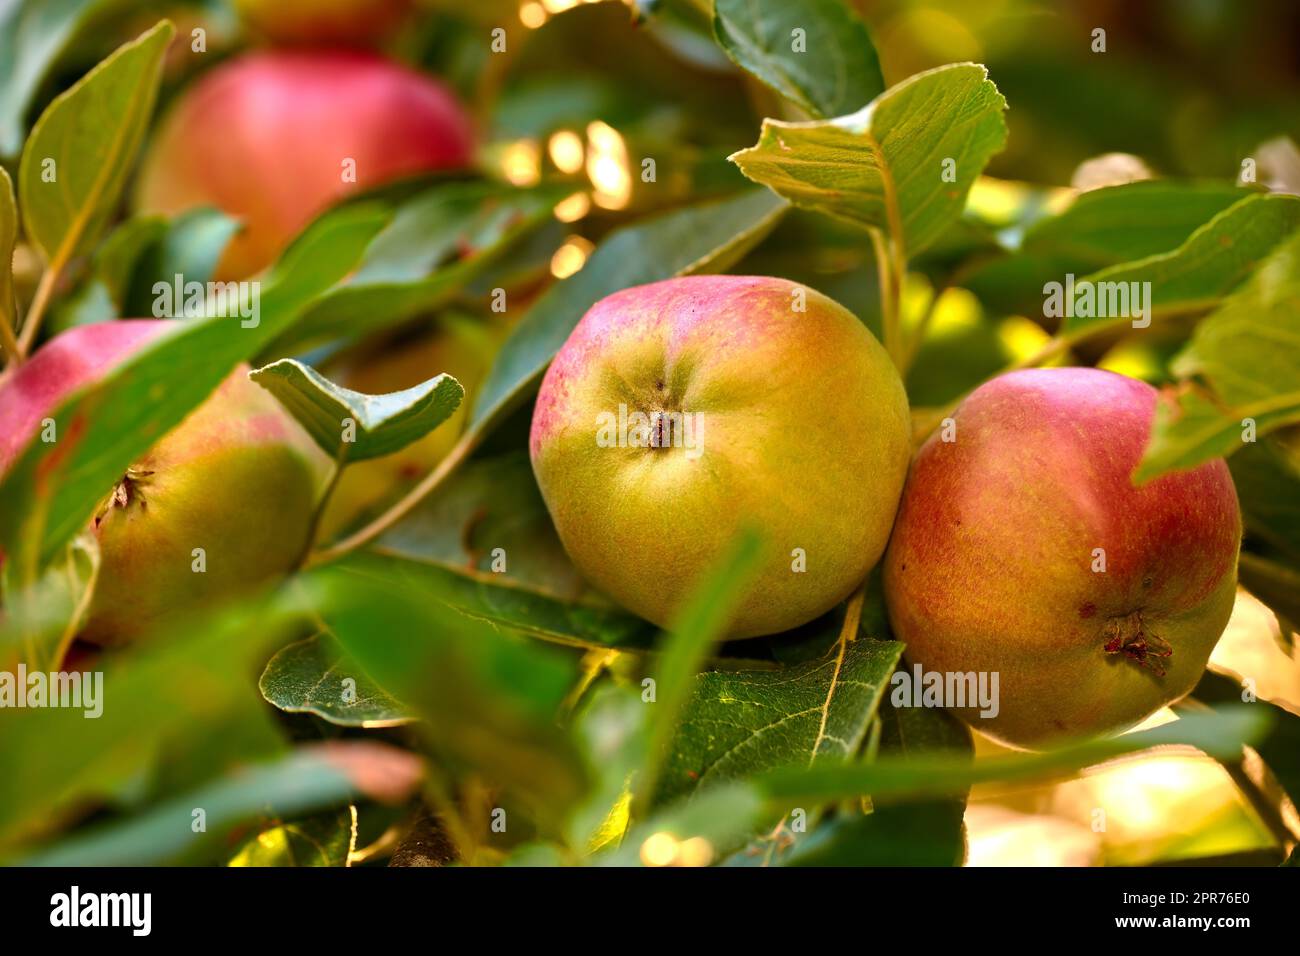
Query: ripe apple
[
  {"x": 276, "y": 137},
  {"x": 323, "y": 21},
  {"x": 681, "y": 411},
  {"x": 238, "y": 478},
  {"x": 1022, "y": 548}
]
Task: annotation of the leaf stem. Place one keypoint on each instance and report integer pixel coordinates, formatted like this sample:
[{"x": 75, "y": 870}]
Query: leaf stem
[
  {"x": 848, "y": 633},
  {"x": 78, "y": 613},
  {"x": 7, "y": 339},
  {"x": 401, "y": 509},
  {"x": 889, "y": 298},
  {"x": 593, "y": 665},
  {"x": 913, "y": 343},
  {"x": 36, "y": 313},
  {"x": 319, "y": 513}
]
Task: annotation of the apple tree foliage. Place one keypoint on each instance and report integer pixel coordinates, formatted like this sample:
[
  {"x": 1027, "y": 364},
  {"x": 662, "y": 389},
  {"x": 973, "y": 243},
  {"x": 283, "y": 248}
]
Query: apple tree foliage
[{"x": 451, "y": 649}]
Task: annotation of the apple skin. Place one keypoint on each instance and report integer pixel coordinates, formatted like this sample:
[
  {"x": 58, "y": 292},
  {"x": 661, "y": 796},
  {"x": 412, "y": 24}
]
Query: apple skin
[
  {"x": 805, "y": 435},
  {"x": 990, "y": 565},
  {"x": 323, "y": 22},
  {"x": 239, "y": 477},
  {"x": 264, "y": 138}
]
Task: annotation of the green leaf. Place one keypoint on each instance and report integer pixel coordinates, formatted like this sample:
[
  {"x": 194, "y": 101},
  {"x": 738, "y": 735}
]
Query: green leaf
[
  {"x": 1249, "y": 349},
  {"x": 382, "y": 424},
  {"x": 79, "y": 154},
  {"x": 493, "y": 599},
  {"x": 1104, "y": 227},
  {"x": 140, "y": 253},
  {"x": 700, "y": 624},
  {"x": 726, "y": 815},
  {"x": 611, "y": 732},
  {"x": 189, "y": 245},
  {"x": 177, "y": 690},
  {"x": 914, "y": 835},
  {"x": 926, "y": 832},
  {"x": 438, "y": 241},
  {"x": 1248, "y": 352},
  {"x": 487, "y": 700},
  {"x": 115, "y": 259},
  {"x": 39, "y": 620},
  {"x": 1220, "y": 734},
  {"x": 102, "y": 295},
  {"x": 1279, "y": 747},
  {"x": 109, "y": 425},
  {"x": 741, "y": 723},
  {"x": 707, "y": 237},
  {"x": 722, "y": 817},
  {"x": 1210, "y": 264},
  {"x": 308, "y": 676},
  {"x": 1267, "y": 476},
  {"x": 883, "y": 167},
  {"x": 1274, "y": 583},
  {"x": 8, "y": 239},
  {"x": 33, "y": 33},
  {"x": 1191, "y": 429},
  {"x": 490, "y": 511},
  {"x": 325, "y": 839},
  {"x": 837, "y": 70},
  {"x": 305, "y": 781},
  {"x": 905, "y": 833}
]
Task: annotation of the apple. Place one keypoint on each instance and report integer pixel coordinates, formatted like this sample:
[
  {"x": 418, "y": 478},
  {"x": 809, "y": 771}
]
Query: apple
[
  {"x": 239, "y": 478},
  {"x": 323, "y": 21},
  {"x": 679, "y": 412},
  {"x": 274, "y": 138},
  {"x": 1022, "y": 548}
]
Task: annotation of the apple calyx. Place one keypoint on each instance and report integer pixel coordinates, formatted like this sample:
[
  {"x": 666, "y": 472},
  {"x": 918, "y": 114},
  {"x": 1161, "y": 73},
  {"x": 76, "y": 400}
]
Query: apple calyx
[
  {"x": 1130, "y": 636},
  {"x": 125, "y": 492}
]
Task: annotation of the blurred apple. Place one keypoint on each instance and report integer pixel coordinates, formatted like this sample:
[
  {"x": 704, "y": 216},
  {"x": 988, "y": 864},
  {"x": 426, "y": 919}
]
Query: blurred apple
[
  {"x": 275, "y": 138},
  {"x": 323, "y": 21},
  {"x": 238, "y": 480}
]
